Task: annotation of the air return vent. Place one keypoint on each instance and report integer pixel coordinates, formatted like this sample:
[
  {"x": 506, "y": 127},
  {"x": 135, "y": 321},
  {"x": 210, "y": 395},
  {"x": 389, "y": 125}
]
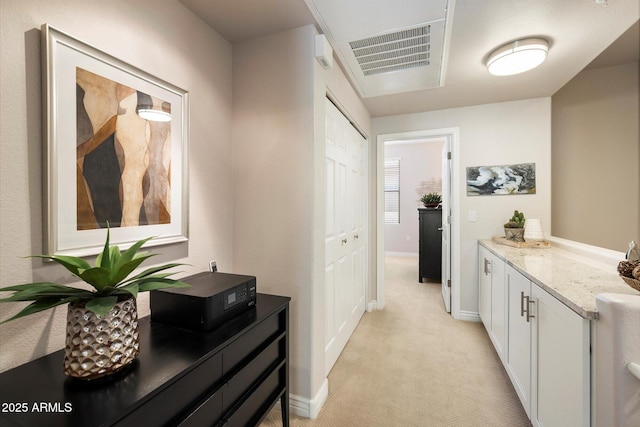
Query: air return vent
[{"x": 397, "y": 51}]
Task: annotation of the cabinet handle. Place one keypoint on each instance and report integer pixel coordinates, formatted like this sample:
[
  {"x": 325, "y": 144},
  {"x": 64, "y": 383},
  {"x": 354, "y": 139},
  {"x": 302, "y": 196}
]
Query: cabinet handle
[
  {"x": 487, "y": 266},
  {"x": 529, "y": 303},
  {"x": 344, "y": 241},
  {"x": 355, "y": 237},
  {"x": 525, "y": 309}
]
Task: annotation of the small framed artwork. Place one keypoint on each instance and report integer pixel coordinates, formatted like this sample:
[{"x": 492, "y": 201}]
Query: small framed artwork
[
  {"x": 116, "y": 141},
  {"x": 501, "y": 180}
]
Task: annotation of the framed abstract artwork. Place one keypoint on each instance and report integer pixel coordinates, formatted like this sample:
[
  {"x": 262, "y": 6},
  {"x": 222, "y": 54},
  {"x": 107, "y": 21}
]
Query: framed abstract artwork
[
  {"x": 116, "y": 141},
  {"x": 501, "y": 180}
]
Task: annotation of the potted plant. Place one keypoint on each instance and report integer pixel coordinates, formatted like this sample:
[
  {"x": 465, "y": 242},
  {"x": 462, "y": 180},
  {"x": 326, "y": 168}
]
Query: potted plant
[
  {"x": 102, "y": 323},
  {"x": 431, "y": 200},
  {"x": 514, "y": 228}
]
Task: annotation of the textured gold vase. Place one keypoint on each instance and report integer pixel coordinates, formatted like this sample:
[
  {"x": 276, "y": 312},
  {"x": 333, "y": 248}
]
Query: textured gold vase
[{"x": 99, "y": 346}]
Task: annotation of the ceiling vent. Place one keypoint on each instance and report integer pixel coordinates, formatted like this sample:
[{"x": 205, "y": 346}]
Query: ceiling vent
[
  {"x": 394, "y": 51},
  {"x": 387, "y": 47}
]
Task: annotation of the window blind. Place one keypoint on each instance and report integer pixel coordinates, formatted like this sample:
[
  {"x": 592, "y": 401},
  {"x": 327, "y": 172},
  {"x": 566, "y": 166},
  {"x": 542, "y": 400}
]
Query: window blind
[{"x": 392, "y": 191}]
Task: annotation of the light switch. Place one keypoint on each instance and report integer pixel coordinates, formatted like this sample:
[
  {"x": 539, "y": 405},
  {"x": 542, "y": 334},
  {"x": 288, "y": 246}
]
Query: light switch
[{"x": 472, "y": 216}]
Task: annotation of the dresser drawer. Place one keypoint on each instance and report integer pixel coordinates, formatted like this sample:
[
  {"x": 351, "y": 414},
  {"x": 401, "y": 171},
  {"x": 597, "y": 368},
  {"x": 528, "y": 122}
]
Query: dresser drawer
[
  {"x": 258, "y": 403},
  {"x": 208, "y": 413},
  {"x": 169, "y": 403},
  {"x": 252, "y": 340},
  {"x": 246, "y": 378}
]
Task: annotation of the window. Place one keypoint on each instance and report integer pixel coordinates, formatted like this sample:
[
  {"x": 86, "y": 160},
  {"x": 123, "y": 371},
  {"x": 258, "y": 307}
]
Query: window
[{"x": 392, "y": 191}]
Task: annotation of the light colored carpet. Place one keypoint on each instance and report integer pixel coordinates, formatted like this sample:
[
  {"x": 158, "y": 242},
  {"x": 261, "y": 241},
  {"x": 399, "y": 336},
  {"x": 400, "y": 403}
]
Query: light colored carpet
[{"x": 412, "y": 364}]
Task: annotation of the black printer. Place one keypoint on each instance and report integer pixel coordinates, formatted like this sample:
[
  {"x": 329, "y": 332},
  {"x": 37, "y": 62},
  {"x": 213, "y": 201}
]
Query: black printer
[{"x": 212, "y": 299}]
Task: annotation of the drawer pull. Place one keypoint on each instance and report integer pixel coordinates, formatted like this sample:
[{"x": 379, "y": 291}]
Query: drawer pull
[
  {"x": 487, "y": 266},
  {"x": 525, "y": 309}
]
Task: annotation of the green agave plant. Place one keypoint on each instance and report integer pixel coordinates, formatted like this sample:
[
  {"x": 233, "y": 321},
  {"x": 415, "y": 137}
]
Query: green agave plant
[{"x": 108, "y": 277}]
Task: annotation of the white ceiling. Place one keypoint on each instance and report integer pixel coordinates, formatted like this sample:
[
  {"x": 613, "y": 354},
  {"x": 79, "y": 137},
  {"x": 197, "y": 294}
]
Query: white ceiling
[{"x": 578, "y": 32}]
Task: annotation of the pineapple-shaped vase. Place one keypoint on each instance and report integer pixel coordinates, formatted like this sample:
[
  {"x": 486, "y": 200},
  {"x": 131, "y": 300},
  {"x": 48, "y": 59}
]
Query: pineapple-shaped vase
[{"x": 98, "y": 346}]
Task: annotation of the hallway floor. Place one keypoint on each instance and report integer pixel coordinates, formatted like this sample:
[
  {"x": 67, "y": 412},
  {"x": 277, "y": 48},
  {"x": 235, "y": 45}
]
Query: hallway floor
[{"x": 412, "y": 364}]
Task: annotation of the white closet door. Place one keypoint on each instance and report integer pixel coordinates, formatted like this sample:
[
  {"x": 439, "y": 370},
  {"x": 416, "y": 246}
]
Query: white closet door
[{"x": 345, "y": 232}]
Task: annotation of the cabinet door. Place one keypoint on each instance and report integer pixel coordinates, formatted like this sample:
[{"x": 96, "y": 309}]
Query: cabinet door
[
  {"x": 519, "y": 336},
  {"x": 484, "y": 291},
  {"x": 498, "y": 307},
  {"x": 492, "y": 299},
  {"x": 560, "y": 364}
]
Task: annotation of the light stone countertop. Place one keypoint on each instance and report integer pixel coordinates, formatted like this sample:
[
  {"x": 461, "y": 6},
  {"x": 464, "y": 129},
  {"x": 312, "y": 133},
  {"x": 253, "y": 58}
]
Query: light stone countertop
[{"x": 573, "y": 279}]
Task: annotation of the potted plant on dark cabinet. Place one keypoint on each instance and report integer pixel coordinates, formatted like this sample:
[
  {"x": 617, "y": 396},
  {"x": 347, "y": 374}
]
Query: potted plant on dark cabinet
[
  {"x": 431, "y": 200},
  {"x": 102, "y": 323}
]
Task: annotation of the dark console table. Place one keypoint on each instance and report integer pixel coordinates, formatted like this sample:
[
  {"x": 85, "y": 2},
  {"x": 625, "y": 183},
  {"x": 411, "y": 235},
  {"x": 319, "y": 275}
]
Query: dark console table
[{"x": 231, "y": 376}]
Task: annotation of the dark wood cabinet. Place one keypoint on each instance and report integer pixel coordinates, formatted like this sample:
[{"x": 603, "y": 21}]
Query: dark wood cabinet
[
  {"x": 231, "y": 376},
  {"x": 430, "y": 264}
]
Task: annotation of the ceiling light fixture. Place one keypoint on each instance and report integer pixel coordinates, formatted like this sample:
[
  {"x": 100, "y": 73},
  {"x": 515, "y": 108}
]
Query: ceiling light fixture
[
  {"x": 154, "y": 115},
  {"x": 148, "y": 111},
  {"x": 518, "y": 56}
]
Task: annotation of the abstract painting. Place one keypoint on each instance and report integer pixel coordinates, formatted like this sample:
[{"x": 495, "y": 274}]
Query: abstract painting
[
  {"x": 123, "y": 160},
  {"x": 501, "y": 180},
  {"x": 116, "y": 151}
]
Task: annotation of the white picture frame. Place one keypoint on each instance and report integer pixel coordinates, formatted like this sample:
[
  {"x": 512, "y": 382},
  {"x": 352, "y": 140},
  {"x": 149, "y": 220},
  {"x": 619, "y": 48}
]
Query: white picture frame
[{"x": 74, "y": 190}]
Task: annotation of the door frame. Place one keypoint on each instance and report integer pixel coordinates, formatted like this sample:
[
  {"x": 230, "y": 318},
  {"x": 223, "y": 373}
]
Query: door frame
[{"x": 453, "y": 135}]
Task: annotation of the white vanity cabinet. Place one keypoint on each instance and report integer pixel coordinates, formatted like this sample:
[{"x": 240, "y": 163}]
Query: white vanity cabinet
[{"x": 543, "y": 344}]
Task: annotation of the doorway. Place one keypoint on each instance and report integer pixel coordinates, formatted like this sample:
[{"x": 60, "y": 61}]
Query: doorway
[{"x": 451, "y": 202}]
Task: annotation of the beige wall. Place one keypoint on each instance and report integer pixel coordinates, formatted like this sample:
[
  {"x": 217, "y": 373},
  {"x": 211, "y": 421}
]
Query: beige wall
[
  {"x": 160, "y": 37},
  {"x": 596, "y": 158},
  {"x": 273, "y": 184},
  {"x": 256, "y": 198},
  {"x": 492, "y": 134},
  {"x": 419, "y": 162},
  {"x": 278, "y": 162}
]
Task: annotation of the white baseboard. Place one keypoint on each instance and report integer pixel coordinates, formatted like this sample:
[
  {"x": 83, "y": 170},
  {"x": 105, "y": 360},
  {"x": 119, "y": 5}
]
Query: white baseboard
[
  {"x": 372, "y": 306},
  {"x": 407, "y": 254},
  {"x": 469, "y": 316},
  {"x": 309, "y": 408}
]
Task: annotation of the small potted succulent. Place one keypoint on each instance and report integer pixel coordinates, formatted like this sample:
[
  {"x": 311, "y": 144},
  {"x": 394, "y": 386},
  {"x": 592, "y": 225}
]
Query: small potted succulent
[
  {"x": 431, "y": 200},
  {"x": 514, "y": 228},
  {"x": 102, "y": 323}
]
